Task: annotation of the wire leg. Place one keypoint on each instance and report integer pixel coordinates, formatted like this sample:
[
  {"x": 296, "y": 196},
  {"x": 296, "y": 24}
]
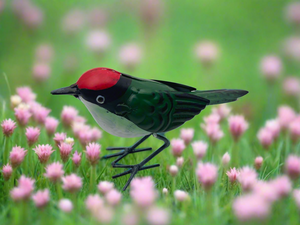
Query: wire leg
[
  {"x": 126, "y": 150},
  {"x": 138, "y": 167}
]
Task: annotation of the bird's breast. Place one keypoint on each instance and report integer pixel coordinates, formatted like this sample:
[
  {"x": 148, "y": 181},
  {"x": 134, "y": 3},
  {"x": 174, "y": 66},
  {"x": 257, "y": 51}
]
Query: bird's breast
[{"x": 113, "y": 124}]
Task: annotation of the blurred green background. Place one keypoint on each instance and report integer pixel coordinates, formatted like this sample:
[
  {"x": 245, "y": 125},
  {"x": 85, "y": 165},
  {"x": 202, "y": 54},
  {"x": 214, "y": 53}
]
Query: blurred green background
[{"x": 244, "y": 31}]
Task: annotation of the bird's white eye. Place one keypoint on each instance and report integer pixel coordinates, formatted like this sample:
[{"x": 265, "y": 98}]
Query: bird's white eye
[{"x": 100, "y": 99}]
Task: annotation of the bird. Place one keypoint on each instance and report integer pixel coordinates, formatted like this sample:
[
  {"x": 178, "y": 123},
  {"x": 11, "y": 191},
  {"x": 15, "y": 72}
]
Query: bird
[{"x": 128, "y": 106}]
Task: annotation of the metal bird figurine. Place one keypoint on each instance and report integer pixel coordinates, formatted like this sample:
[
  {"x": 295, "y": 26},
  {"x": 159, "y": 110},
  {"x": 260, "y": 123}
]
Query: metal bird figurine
[{"x": 127, "y": 106}]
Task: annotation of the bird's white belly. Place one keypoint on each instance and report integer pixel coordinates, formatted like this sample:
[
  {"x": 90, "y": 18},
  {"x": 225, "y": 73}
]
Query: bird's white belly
[{"x": 113, "y": 124}]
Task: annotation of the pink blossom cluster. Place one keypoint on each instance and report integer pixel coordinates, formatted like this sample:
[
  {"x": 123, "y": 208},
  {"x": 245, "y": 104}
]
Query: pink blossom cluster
[
  {"x": 81, "y": 130},
  {"x": 51, "y": 125},
  {"x": 177, "y": 147},
  {"x": 68, "y": 115},
  {"x": 24, "y": 189},
  {"x": 187, "y": 135},
  {"x": 233, "y": 174},
  {"x": 22, "y": 114},
  {"x": 41, "y": 198},
  {"x": 142, "y": 192},
  {"x": 92, "y": 152},
  {"x": 212, "y": 128},
  {"x": 43, "y": 152},
  {"x": 130, "y": 55},
  {"x": 26, "y": 108},
  {"x": 269, "y": 133},
  {"x": 76, "y": 158},
  {"x": 292, "y": 48},
  {"x": 39, "y": 112},
  {"x": 104, "y": 187},
  {"x": 8, "y": 127},
  {"x": 151, "y": 12},
  {"x": 180, "y": 161},
  {"x": 59, "y": 138},
  {"x": 207, "y": 52},
  {"x": 199, "y": 149},
  {"x": 293, "y": 13},
  {"x": 287, "y": 121},
  {"x": 271, "y": 67},
  {"x": 98, "y": 41},
  {"x": 26, "y": 94},
  {"x": 54, "y": 172},
  {"x": 223, "y": 110},
  {"x": 7, "y": 171},
  {"x": 17, "y": 156},
  {"x": 32, "y": 135},
  {"x": 102, "y": 208},
  {"x": 181, "y": 196},
  {"x": 246, "y": 176},
  {"x": 173, "y": 169},
  {"x": 291, "y": 86},
  {"x": 259, "y": 195},
  {"x": 28, "y": 13},
  {"x": 65, "y": 150},
  {"x": 72, "y": 183},
  {"x": 294, "y": 129},
  {"x": 41, "y": 68},
  {"x": 207, "y": 174},
  {"x": 258, "y": 162},
  {"x": 225, "y": 159},
  {"x": 237, "y": 126},
  {"x": 97, "y": 17},
  {"x": 292, "y": 166},
  {"x": 73, "y": 21},
  {"x": 285, "y": 115},
  {"x": 256, "y": 204}
]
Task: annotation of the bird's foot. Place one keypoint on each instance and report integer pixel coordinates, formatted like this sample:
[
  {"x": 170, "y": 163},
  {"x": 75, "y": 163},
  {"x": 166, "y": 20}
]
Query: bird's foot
[
  {"x": 124, "y": 151},
  {"x": 133, "y": 169}
]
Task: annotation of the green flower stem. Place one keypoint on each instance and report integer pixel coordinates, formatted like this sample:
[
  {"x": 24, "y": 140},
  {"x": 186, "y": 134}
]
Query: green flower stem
[
  {"x": 213, "y": 151},
  {"x": 59, "y": 190},
  {"x": 92, "y": 178},
  {"x": 278, "y": 157},
  {"x": 6, "y": 189},
  {"x": 75, "y": 202},
  {"x": 17, "y": 213},
  {"x": 42, "y": 179},
  {"x": 224, "y": 177},
  {"x": 44, "y": 216},
  {"x": 75, "y": 168},
  {"x": 56, "y": 156},
  {"x": 21, "y": 133},
  {"x": 12, "y": 180},
  {"x": 6, "y": 150},
  {"x": 24, "y": 213},
  {"x": 235, "y": 155},
  {"x": 173, "y": 184},
  {"x": 29, "y": 162},
  {"x": 209, "y": 206},
  {"x": 287, "y": 144},
  {"x": 294, "y": 215}
]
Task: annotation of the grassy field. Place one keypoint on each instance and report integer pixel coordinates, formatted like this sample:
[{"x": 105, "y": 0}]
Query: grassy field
[{"x": 244, "y": 31}]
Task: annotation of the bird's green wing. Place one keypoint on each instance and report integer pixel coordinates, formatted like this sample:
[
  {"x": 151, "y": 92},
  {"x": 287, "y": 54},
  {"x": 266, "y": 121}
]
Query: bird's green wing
[
  {"x": 175, "y": 86},
  {"x": 161, "y": 111}
]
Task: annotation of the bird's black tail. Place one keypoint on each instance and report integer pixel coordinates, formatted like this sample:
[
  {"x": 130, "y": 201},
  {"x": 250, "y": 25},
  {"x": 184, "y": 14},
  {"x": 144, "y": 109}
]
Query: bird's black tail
[{"x": 221, "y": 96}]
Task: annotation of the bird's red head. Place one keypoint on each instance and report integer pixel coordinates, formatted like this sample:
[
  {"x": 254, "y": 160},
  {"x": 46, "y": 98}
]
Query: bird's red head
[{"x": 98, "y": 79}]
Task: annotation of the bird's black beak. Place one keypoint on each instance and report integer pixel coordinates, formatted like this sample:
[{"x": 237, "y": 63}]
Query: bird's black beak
[{"x": 71, "y": 90}]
